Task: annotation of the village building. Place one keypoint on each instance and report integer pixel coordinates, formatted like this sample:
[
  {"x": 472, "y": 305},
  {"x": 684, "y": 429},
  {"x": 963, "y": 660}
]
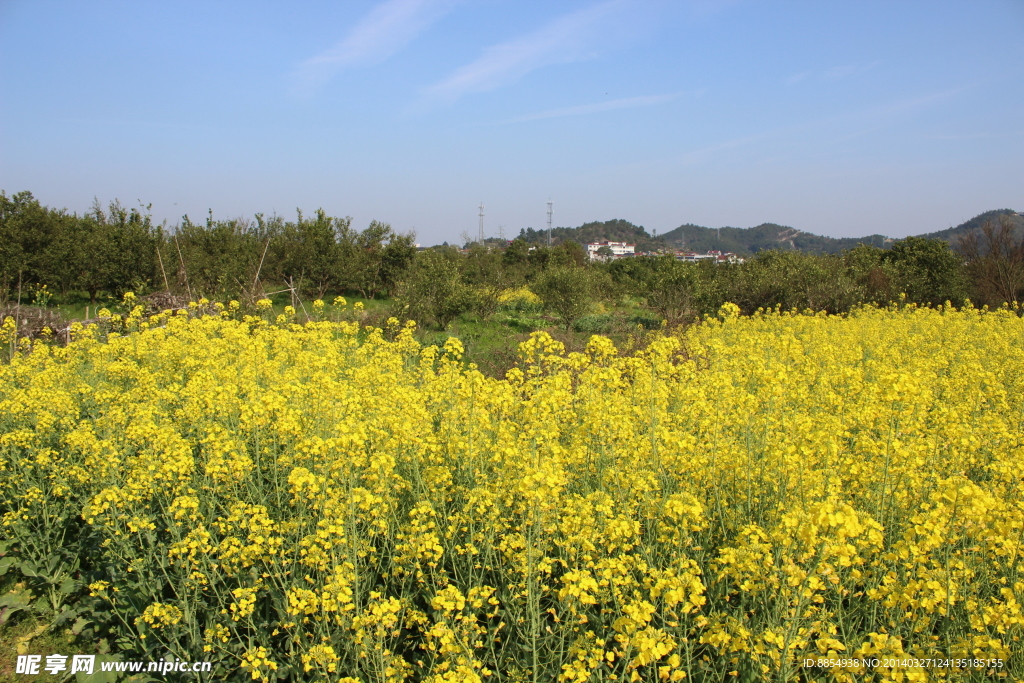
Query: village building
[{"x": 618, "y": 250}]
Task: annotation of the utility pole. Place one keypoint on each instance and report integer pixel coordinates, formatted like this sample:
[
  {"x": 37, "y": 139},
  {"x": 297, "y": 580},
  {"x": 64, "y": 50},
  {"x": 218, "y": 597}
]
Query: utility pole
[
  {"x": 549, "y": 222},
  {"x": 481, "y": 235}
]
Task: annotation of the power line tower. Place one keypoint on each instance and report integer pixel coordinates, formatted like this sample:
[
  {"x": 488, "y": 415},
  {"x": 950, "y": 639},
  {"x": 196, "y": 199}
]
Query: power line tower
[
  {"x": 480, "y": 238},
  {"x": 549, "y": 221}
]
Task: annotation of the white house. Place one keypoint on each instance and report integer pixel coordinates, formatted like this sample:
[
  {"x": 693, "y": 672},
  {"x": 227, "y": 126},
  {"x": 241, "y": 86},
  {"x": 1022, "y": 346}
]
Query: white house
[
  {"x": 715, "y": 256},
  {"x": 619, "y": 249},
  {"x": 693, "y": 257}
]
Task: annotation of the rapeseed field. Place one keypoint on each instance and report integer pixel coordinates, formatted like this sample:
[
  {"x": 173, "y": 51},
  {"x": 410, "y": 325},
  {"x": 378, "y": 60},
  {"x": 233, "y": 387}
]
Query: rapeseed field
[{"x": 778, "y": 497}]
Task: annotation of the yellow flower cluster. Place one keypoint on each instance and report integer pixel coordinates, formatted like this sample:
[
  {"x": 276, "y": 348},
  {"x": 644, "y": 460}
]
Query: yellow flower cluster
[
  {"x": 309, "y": 502},
  {"x": 159, "y": 615},
  {"x": 523, "y": 295},
  {"x": 258, "y": 663}
]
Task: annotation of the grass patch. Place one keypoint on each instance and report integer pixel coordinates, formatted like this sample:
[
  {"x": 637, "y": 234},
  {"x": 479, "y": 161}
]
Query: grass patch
[{"x": 30, "y": 631}]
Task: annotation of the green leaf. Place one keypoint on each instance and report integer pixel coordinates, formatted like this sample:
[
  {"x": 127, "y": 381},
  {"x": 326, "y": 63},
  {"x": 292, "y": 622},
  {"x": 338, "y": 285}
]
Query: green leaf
[
  {"x": 100, "y": 676},
  {"x": 13, "y": 602},
  {"x": 141, "y": 678},
  {"x": 80, "y": 625},
  {"x": 52, "y": 562},
  {"x": 41, "y": 605},
  {"x": 67, "y": 615}
]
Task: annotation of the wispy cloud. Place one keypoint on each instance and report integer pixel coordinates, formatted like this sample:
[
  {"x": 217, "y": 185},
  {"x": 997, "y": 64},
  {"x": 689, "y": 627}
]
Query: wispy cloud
[
  {"x": 701, "y": 155},
  {"x": 385, "y": 30},
  {"x": 976, "y": 136},
  {"x": 568, "y": 38},
  {"x": 846, "y": 70},
  {"x": 580, "y": 110},
  {"x": 834, "y": 73},
  {"x": 703, "y": 8},
  {"x": 888, "y": 110},
  {"x": 823, "y": 133}
]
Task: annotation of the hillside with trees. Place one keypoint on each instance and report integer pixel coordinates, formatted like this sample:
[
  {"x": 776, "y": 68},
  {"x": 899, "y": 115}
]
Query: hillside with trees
[
  {"x": 769, "y": 236},
  {"x": 974, "y": 225},
  {"x": 764, "y": 237},
  {"x": 615, "y": 230},
  {"x": 747, "y": 241}
]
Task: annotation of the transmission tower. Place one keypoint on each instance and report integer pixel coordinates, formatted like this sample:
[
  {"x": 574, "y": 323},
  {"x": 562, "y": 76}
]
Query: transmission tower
[
  {"x": 481, "y": 236},
  {"x": 549, "y": 221}
]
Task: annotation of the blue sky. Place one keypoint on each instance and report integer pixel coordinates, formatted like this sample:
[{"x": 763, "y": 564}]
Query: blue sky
[{"x": 835, "y": 117}]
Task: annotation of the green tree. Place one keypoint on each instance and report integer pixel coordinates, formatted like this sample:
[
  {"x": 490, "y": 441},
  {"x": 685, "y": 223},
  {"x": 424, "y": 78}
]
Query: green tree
[
  {"x": 567, "y": 292},
  {"x": 92, "y": 258},
  {"x": 538, "y": 258},
  {"x": 370, "y": 244},
  {"x": 876, "y": 278},
  {"x": 627, "y": 274},
  {"x": 133, "y": 249},
  {"x": 220, "y": 259},
  {"x": 309, "y": 253},
  {"x": 396, "y": 258},
  {"x": 669, "y": 289},
  {"x": 569, "y": 253},
  {"x": 112, "y": 250},
  {"x": 375, "y": 260},
  {"x": 489, "y": 273},
  {"x": 516, "y": 253},
  {"x": 929, "y": 272},
  {"x": 789, "y": 279},
  {"x": 33, "y": 243},
  {"x": 434, "y": 291}
]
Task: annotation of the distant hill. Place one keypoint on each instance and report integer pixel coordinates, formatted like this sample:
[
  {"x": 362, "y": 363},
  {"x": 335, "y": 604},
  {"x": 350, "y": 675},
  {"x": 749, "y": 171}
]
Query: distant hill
[
  {"x": 615, "y": 230},
  {"x": 742, "y": 241},
  {"x": 747, "y": 241},
  {"x": 953, "y": 234}
]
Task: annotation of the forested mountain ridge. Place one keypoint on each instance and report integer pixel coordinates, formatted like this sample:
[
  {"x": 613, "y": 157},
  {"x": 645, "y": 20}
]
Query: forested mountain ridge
[
  {"x": 743, "y": 241},
  {"x": 615, "y": 230},
  {"x": 953, "y": 234},
  {"x": 764, "y": 237}
]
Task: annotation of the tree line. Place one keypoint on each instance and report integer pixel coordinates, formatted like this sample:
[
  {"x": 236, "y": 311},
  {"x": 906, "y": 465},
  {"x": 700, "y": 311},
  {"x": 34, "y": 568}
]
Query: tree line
[{"x": 116, "y": 249}]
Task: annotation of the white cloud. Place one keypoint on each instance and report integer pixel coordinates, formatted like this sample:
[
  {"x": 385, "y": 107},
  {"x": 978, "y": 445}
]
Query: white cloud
[
  {"x": 824, "y": 132},
  {"x": 568, "y": 38},
  {"x": 834, "y": 73},
  {"x": 837, "y": 72},
  {"x": 988, "y": 134},
  {"x": 625, "y": 103},
  {"x": 387, "y": 28},
  {"x": 701, "y": 155}
]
